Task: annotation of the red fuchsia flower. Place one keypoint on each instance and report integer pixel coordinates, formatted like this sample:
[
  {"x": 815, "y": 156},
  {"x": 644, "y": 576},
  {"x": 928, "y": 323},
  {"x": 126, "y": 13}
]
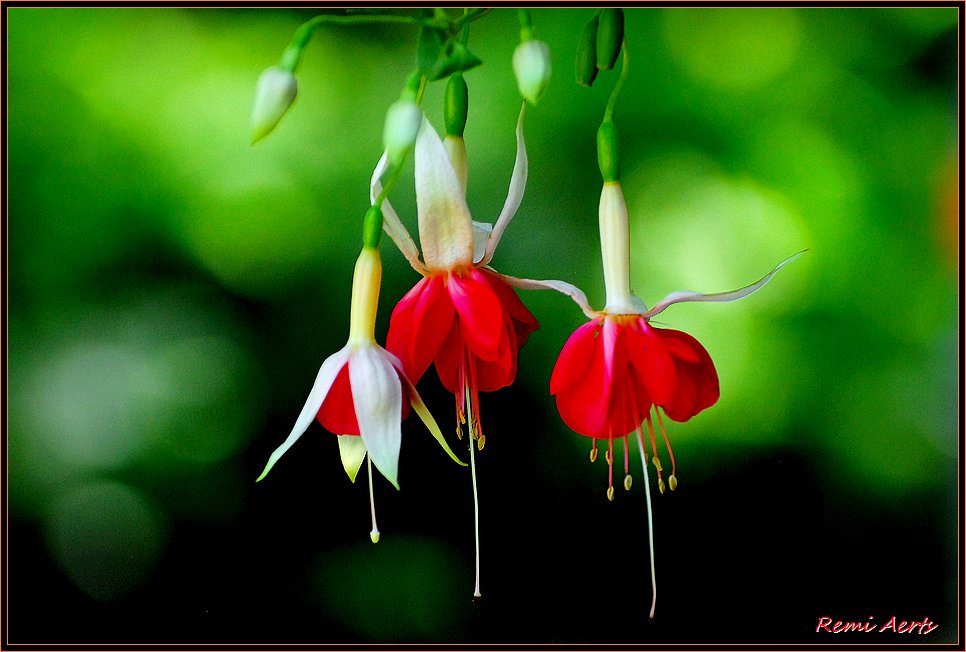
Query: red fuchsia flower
[
  {"x": 618, "y": 373},
  {"x": 362, "y": 392},
  {"x": 462, "y": 315}
]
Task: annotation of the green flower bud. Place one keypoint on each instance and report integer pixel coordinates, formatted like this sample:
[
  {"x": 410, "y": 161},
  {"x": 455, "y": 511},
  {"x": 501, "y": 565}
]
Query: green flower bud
[
  {"x": 372, "y": 228},
  {"x": 608, "y": 152},
  {"x": 531, "y": 65},
  {"x": 403, "y": 120},
  {"x": 274, "y": 93},
  {"x": 610, "y": 37},
  {"x": 585, "y": 65},
  {"x": 455, "y": 105}
]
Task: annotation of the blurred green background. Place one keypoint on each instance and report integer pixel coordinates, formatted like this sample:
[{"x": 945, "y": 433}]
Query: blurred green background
[{"x": 173, "y": 290}]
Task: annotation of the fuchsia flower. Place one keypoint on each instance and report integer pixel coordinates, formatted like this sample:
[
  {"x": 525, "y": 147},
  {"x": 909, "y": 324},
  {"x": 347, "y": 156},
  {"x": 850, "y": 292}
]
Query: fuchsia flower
[
  {"x": 461, "y": 315},
  {"x": 362, "y": 392},
  {"x": 618, "y": 373}
]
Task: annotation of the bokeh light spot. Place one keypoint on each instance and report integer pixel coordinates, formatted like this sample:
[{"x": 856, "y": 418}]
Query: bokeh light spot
[
  {"x": 733, "y": 49},
  {"x": 106, "y": 537},
  {"x": 84, "y": 405},
  {"x": 201, "y": 409}
]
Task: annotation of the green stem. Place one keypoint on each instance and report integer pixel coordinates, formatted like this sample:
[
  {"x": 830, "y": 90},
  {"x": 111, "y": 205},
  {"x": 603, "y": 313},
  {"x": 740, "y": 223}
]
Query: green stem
[
  {"x": 397, "y": 169},
  {"x": 609, "y": 111}
]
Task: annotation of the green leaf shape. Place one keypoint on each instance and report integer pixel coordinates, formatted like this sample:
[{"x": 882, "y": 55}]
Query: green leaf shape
[{"x": 353, "y": 452}]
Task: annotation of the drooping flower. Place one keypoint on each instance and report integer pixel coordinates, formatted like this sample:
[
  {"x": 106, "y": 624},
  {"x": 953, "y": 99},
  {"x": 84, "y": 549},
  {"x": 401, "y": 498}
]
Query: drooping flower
[
  {"x": 362, "y": 391},
  {"x": 461, "y": 315},
  {"x": 618, "y": 373}
]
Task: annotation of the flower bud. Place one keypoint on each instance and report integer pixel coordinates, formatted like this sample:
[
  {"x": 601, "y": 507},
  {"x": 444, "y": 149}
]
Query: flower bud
[
  {"x": 531, "y": 65},
  {"x": 403, "y": 120},
  {"x": 608, "y": 152},
  {"x": 585, "y": 65},
  {"x": 456, "y": 105},
  {"x": 274, "y": 93},
  {"x": 610, "y": 37}
]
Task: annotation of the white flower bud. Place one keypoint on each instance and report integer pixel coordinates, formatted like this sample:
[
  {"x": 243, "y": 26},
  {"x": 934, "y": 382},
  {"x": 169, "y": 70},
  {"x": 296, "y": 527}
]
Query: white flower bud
[
  {"x": 531, "y": 65},
  {"x": 403, "y": 120},
  {"x": 274, "y": 93}
]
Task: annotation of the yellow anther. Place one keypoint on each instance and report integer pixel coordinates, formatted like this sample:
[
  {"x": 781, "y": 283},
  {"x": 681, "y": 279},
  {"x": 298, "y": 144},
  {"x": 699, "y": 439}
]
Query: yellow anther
[
  {"x": 672, "y": 482},
  {"x": 660, "y": 484},
  {"x": 657, "y": 463},
  {"x": 459, "y": 432},
  {"x": 480, "y": 442},
  {"x": 593, "y": 455},
  {"x": 374, "y": 535},
  {"x": 608, "y": 457},
  {"x": 610, "y": 493},
  {"x": 628, "y": 480}
]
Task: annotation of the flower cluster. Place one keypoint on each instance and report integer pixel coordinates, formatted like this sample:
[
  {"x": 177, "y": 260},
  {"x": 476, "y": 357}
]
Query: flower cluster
[{"x": 618, "y": 375}]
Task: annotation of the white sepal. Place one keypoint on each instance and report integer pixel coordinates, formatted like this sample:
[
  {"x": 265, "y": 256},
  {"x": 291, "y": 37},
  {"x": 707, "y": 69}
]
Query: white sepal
[
  {"x": 391, "y": 223},
  {"x": 323, "y": 383},
  {"x": 481, "y": 235},
  {"x": 445, "y": 225},
  {"x": 678, "y": 297},
  {"x": 518, "y": 184},
  {"x": 353, "y": 452},
  {"x": 563, "y": 287},
  {"x": 377, "y": 395}
]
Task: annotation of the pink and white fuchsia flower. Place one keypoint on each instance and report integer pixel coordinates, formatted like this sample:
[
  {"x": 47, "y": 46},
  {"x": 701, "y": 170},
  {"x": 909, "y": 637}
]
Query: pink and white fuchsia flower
[{"x": 362, "y": 392}]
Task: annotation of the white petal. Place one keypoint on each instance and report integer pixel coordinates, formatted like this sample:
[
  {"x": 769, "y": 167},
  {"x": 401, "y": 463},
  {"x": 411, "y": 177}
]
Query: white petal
[
  {"x": 481, "y": 235},
  {"x": 678, "y": 297},
  {"x": 518, "y": 183},
  {"x": 323, "y": 383},
  {"x": 377, "y": 395},
  {"x": 353, "y": 452},
  {"x": 423, "y": 411},
  {"x": 445, "y": 226},
  {"x": 391, "y": 223},
  {"x": 563, "y": 287}
]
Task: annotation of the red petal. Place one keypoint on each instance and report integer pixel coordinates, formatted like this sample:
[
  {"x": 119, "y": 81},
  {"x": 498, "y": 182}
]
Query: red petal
[
  {"x": 448, "y": 359},
  {"x": 574, "y": 358},
  {"x": 584, "y": 382},
  {"x": 480, "y": 314},
  {"x": 338, "y": 413},
  {"x": 492, "y": 375},
  {"x": 653, "y": 366},
  {"x": 523, "y": 320},
  {"x": 697, "y": 386},
  {"x": 419, "y": 324}
]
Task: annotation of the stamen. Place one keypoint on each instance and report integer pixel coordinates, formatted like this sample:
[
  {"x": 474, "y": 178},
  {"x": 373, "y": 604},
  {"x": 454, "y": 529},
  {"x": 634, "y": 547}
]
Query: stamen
[
  {"x": 476, "y": 502},
  {"x": 628, "y": 480},
  {"x": 374, "y": 535},
  {"x": 610, "y": 469},
  {"x": 673, "y": 480},
  {"x": 650, "y": 520},
  {"x": 626, "y": 458},
  {"x": 480, "y": 442},
  {"x": 593, "y": 452},
  {"x": 667, "y": 442},
  {"x": 656, "y": 460}
]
